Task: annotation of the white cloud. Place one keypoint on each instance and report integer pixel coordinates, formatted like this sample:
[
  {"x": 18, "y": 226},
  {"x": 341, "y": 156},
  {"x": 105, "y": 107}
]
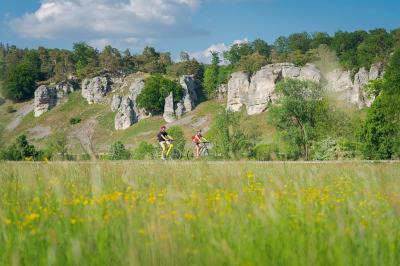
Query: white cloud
[
  {"x": 108, "y": 21},
  {"x": 205, "y": 55}
]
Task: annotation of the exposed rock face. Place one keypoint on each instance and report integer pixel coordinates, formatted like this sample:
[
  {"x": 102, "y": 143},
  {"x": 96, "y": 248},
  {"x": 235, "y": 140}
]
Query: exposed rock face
[
  {"x": 222, "y": 91},
  {"x": 94, "y": 90},
  {"x": 48, "y": 97},
  {"x": 125, "y": 116},
  {"x": 134, "y": 90},
  {"x": 169, "y": 113},
  {"x": 353, "y": 92},
  {"x": 189, "y": 98},
  {"x": 256, "y": 93},
  {"x": 116, "y": 103},
  {"x": 238, "y": 87}
]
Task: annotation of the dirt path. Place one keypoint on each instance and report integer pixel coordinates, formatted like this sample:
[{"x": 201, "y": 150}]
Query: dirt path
[{"x": 19, "y": 115}]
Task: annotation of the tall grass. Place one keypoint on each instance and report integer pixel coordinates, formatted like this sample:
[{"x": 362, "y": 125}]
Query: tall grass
[{"x": 234, "y": 213}]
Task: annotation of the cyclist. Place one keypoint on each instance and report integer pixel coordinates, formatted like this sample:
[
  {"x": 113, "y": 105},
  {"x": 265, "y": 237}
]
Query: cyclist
[
  {"x": 197, "y": 140},
  {"x": 165, "y": 140}
]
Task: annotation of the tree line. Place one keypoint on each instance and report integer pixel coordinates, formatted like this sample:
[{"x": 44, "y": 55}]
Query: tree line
[{"x": 22, "y": 69}]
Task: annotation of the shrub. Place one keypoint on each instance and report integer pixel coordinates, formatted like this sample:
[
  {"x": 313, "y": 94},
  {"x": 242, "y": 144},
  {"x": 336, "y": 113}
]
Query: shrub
[
  {"x": 177, "y": 134},
  {"x": 21, "y": 150},
  {"x": 333, "y": 149},
  {"x": 75, "y": 120},
  {"x": 118, "y": 152},
  {"x": 57, "y": 146},
  {"x": 156, "y": 89},
  {"x": 144, "y": 151},
  {"x": 10, "y": 109},
  {"x": 264, "y": 152}
]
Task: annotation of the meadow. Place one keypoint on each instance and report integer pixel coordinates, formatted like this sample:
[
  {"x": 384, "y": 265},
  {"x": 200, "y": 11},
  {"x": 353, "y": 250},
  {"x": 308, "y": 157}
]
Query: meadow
[{"x": 202, "y": 213}]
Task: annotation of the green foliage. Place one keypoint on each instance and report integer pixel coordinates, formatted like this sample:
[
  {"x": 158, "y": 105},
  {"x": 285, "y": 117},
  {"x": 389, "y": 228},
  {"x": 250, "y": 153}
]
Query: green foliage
[
  {"x": 374, "y": 48},
  {"x": 156, "y": 89},
  {"x": 75, "y": 120},
  {"x": 299, "y": 41},
  {"x": 251, "y": 63},
  {"x": 177, "y": 134},
  {"x": 299, "y": 109},
  {"x": 20, "y": 82},
  {"x": 85, "y": 57},
  {"x": 187, "y": 67},
  {"x": 118, "y": 152},
  {"x": 144, "y": 151},
  {"x": 264, "y": 152},
  {"x": 210, "y": 82},
  {"x": 110, "y": 59},
  {"x": 382, "y": 126},
  {"x": 57, "y": 146},
  {"x": 333, "y": 149},
  {"x": 20, "y": 150},
  {"x": 229, "y": 140}
]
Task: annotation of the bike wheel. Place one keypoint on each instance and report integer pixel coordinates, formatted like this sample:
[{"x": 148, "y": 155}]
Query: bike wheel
[
  {"x": 176, "y": 155},
  {"x": 190, "y": 155},
  {"x": 205, "y": 152}
]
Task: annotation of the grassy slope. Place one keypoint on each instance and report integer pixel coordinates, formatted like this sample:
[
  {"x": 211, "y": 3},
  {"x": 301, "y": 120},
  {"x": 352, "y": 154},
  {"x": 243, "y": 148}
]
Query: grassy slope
[{"x": 105, "y": 134}]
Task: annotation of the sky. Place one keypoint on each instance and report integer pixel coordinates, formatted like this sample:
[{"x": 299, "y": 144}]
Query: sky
[{"x": 194, "y": 26}]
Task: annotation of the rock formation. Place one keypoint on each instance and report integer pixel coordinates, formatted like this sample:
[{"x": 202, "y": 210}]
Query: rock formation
[
  {"x": 258, "y": 91},
  {"x": 189, "y": 98},
  {"x": 353, "y": 91},
  {"x": 94, "y": 90},
  {"x": 169, "y": 112},
  {"x": 116, "y": 103},
  {"x": 48, "y": 97},
  {"x": 126, "y": 115}
]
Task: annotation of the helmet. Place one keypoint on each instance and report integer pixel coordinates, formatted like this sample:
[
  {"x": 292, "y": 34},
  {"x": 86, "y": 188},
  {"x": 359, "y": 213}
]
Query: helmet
[{"x": 163, "y": 127}]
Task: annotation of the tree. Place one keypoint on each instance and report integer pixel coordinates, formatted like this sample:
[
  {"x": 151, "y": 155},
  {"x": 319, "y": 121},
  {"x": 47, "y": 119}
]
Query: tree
[
  {"x": 144, "y": 151},
  {"x": 57, "y": 145},
  {"x": 299, "y": 41},
  {"x": 296, "y": 114},
  {"x": 110, "y": 59},
  {"x": 320, "y": 38},
  {"x": 237, "y": 51},
  {"x": 20, "y": 82},
  {"x": 85, "y": 57},
  {"x": 118, "y": 152},
  {"x": 261, "y": 47},
  {"x": 381, "y": 131},
  {"x": 177, "y": 134},
  {"x": 210, "y": 82},
  {"x": 281, "y": 45},
  {"x": 156, "y": 89},
  {"x": 20, "y": 150},
  {"x": 184, "y": 56},
  {"x": 252, "y": 63},
  {"x": 229, "y": 140},
  {"x": 375, "y": 48}
]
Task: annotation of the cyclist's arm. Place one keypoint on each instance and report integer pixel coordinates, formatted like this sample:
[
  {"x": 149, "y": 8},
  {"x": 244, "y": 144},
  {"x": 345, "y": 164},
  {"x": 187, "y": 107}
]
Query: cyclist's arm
[
  {"x": 169, "y": 137},
  {"x": 203, "y": 139}
]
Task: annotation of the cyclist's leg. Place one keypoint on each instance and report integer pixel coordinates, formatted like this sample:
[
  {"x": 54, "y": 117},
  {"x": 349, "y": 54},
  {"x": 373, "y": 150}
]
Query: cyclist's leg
[
  {"x": 197, "y": 150},
  {"x": 170, "y": 147},
  {"x": 163, "y": 148}
]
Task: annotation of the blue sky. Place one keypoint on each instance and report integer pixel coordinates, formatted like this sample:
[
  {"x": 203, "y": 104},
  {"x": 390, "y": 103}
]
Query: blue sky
[{"x": 195, "y": 26}]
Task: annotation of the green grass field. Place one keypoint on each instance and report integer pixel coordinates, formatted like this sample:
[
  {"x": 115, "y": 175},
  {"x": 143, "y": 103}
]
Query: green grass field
[{"x": 217, "y": 213}]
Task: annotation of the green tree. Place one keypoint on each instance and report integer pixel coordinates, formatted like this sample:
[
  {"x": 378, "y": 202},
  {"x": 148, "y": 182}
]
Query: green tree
[
  {"x": 20, "y": 82},
  {"x": 110, "y": 59},
  {"x": 156, "y": 89},
  {"x": 119, "y": 152},
  {"x": 375, "y": 48},
  {"x": 281, "y": 45},
  {"x": 261, "y": 47},
  {"x": 229, "y": 140},
  {"x": 20, "y": 150},
  {"x": 320, "y": 38},
  {"x": 85, "y": 57},
  {"x": 381, "y": 131},
  {"x": 144, "y": 151},
  {"x": 252, "y": 63},
  {"x": 57, "y": 145},
  {"x": 299, "y": 41},
  {"x": 237, "y": 51},
  {"x": 210, "y": 82},
  {"x": 177, "y": 134},
  {"x": 296, "y": 114}
]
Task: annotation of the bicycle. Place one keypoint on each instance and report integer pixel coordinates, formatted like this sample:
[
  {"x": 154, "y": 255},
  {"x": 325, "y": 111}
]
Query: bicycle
[
  {"x": 171, "y": 153},
  {"x": 202, "y": 152}
]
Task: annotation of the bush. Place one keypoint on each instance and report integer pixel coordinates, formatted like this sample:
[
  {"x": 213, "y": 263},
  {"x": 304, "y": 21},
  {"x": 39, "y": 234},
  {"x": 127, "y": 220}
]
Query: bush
[
  {"x": 156, "y": 89},
  {"x": 75, "y": 120},
  {"x": 332, "y": 149},
  {"x": 229, "y": 140},
  {"x": 118, "y": 152},
  {"x": 10, "y": 109},
  {"x": 144, "y": 151},
  {"x": 20, "y": 82},
  {"x": 264, "y": 152},
  {"x": 21, "y": 150},
  {"x": 177, "y": 134},
  {"x": 57, "y": 146}
]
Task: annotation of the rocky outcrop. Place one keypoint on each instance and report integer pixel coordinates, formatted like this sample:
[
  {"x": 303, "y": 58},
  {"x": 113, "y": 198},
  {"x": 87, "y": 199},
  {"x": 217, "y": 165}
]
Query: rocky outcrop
[
  {"x": 353, "y": 91},
  {"x": 116, "y": 103},
  {"x": 222, "y": 91},
  {"x": 95, "y": 89},
  {"x": 189, "y": 98},
  {"x": 238, "y": 87},
  {"x": 169, "y": 112},
  {"x": 126, "y": 115},
  {"x": 258, "y": 91},
  {"x": 48, "y": 97}
]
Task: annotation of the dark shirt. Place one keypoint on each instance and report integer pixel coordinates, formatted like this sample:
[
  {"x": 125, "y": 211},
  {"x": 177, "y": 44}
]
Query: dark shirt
[{"x": 160, "y": 138}]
